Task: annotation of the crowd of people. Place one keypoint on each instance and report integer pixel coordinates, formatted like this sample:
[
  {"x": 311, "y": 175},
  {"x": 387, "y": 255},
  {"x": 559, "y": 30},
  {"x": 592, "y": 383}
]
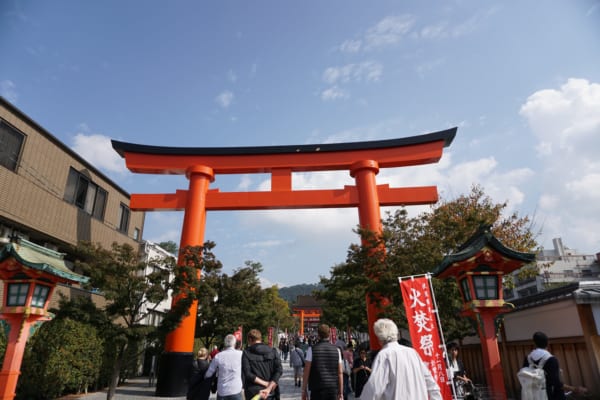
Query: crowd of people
[
  {"x": 322, "y": 370},
  {"x": 331, "y": 371}
]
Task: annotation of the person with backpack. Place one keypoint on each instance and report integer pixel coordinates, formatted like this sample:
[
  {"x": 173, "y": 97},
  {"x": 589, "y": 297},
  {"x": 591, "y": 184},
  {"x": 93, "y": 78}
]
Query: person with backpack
[
  {"x": 542, "y": 370},
  {"x": 297, "y": 362},
  {"x": 261, "y": 368}
]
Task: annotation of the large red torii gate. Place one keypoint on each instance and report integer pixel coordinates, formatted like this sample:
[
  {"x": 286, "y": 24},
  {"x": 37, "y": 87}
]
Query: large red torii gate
[{"x": 362, "y": 159}]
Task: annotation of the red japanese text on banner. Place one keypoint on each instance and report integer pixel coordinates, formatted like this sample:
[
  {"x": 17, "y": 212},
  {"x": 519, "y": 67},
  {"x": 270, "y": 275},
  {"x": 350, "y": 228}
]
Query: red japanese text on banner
[{"x": 424, "y": 330}]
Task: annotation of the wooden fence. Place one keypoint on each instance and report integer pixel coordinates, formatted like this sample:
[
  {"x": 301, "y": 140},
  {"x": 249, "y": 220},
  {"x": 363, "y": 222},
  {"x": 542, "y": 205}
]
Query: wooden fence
[{"x": 572, "y": 354}]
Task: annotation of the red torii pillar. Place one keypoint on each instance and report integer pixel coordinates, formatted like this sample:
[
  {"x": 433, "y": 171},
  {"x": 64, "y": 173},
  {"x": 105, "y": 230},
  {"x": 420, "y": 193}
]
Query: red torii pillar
[
  {"x": 200, "y": 165},
  {"x": 180, "y": 341},
  {"x": 369, "y": 217}
]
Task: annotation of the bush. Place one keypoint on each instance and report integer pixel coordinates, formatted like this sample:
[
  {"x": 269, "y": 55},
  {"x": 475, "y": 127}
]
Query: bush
[{"x": 63, "y": 357}]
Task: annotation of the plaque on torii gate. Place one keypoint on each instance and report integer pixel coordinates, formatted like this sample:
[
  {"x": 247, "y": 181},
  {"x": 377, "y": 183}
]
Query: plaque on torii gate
[{"x": 201, "y": 164}]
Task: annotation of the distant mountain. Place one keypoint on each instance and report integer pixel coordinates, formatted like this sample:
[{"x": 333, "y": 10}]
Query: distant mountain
[{"x": 290, "y": 293}]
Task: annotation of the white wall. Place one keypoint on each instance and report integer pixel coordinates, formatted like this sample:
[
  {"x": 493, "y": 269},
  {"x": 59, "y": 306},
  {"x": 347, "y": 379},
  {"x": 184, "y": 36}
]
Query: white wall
[{"x": 558, "y": 319}]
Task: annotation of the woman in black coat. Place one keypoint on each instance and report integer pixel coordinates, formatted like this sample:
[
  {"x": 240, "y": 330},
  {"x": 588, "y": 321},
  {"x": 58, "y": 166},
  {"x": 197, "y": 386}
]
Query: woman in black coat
[{"x": 199, "y": 388}]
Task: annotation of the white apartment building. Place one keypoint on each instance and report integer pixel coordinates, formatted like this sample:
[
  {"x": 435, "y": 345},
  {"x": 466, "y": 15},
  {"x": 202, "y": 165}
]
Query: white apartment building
[
  {"x": 152, "y": 255},
  {"x": 558, "y": 266}
]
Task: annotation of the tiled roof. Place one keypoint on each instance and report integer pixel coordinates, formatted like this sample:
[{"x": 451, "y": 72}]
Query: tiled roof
[
  {"x": 483, "y": 237},
  {"x": 40, "y": 258}
]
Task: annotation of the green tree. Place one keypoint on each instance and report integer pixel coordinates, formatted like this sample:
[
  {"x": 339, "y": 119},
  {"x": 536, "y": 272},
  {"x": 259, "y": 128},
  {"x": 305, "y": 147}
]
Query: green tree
[
  {"x": 279, "y": 308},
  {"x": 413, "y": 246},
  {"x": 342, "y": 296},
  {"x": 63, "y": 357},
  {"x": 169, "y": 246},
  {"x": 231, "y": 301},
  {"x": 132, "y": 293},
  {"x": 3, "y": 341},
  {"x": 83, "y": 310}
]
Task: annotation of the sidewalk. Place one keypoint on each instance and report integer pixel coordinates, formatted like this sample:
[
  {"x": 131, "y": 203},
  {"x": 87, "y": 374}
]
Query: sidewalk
[{"x": 139, "y": 389}]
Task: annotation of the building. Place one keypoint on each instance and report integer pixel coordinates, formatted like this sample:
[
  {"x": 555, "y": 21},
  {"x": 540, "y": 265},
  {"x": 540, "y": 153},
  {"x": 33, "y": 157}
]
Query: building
[
  {"x": 51, "y": 196},
  {"x": 154, "y": 257},
  {"x": 574, "y": 341},
  {"x": 556, "y": 267},
  {"x": 309, "y": 312}
]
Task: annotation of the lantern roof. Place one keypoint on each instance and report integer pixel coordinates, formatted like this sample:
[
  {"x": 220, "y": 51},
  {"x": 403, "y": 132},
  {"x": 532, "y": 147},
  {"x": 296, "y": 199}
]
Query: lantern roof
[
  {"x": 483, "y": 248},
  {"x": 39, "y": 258}
]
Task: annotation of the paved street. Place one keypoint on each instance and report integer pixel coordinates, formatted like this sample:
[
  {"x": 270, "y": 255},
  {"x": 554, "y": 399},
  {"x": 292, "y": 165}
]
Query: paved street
[{"x": 139, "y": 389}]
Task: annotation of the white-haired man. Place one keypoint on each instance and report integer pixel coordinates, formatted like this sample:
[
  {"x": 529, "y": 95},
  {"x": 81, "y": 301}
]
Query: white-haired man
[
  {"x": 398, "y": 372},
  {"x": 228, "y": 366}
]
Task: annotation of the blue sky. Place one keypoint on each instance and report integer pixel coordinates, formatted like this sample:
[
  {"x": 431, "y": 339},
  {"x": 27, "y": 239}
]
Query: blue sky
[{"x": 520, "y": 80}]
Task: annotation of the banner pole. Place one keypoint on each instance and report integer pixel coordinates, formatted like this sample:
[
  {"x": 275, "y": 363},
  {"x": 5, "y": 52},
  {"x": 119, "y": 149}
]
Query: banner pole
[{"x": 437, "y": 315}]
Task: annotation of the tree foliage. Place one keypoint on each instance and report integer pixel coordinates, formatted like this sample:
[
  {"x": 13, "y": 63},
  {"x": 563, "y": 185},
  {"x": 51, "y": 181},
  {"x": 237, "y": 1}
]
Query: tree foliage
[
  {"x": 412, "y": 246},
  {"x": 169, "y": 246},
  {"x": 63, "y": 357},
  {"x": 231, "y": 301},
  {"x": 133, "y": 290}
]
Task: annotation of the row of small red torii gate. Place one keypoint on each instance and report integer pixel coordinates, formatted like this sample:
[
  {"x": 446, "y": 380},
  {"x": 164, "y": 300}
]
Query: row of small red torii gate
[{"x": 200, "y": 165}]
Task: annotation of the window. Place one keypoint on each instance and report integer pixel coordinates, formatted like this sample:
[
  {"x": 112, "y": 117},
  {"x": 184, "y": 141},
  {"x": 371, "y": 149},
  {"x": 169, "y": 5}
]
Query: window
[
  {"x": 40, "y": 295},
  {"x": 465, "y": 289},
  {"x": 85, "y": 194},
  {"x": 486, "y": 287},
  {"x": 17, "y": 294},
  {"x": 123, "y": 218},
  {"x": 155, "y": 318},
  {"x": 136, "y": 234},
  {"x": 11, "y": 141}
]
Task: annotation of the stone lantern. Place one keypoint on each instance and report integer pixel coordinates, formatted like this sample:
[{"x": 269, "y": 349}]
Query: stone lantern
[
  {"x": 479, "y": 266},
  {"x": 29, "y": 273}
]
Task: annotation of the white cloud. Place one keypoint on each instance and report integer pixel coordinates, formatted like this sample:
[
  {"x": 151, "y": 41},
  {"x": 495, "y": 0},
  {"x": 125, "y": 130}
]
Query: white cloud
[
  {"x": 548, "y": 202},
  {"x": 588, "y": 187},
  {"x": 351, "y": 46},
  {"x": 245, "y": 182},
  {"x": 334, "y": 93},
  {"x": 8, "y": 90},
  {"x": 473, "y": 23},
  {"x": 368, "y": 71},
  {"x": 566, "y": 122},
  {"x": 224, "y": 99},
  {"x": 266, "y": 283},
  {"x": 438, "y": 30},
  {"x": 388, "y": 31},
  {"x": 97, "y": 150},
  {"x": 265, "y": 244},
  {"x": 568, "y": 118}
]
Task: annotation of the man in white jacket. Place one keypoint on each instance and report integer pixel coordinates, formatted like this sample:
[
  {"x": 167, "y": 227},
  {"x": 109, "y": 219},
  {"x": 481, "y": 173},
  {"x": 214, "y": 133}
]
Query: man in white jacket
[{"x": 398, "y": 371}]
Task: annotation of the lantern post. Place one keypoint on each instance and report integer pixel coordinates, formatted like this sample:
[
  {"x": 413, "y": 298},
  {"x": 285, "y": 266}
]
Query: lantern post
[
  {"x": 30, "y": 274},
  {"x": 478, "y": 267}
]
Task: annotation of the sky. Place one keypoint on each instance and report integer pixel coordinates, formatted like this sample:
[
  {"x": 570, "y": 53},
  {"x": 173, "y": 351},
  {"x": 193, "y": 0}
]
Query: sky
[{"x": 520, "y": 80}]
